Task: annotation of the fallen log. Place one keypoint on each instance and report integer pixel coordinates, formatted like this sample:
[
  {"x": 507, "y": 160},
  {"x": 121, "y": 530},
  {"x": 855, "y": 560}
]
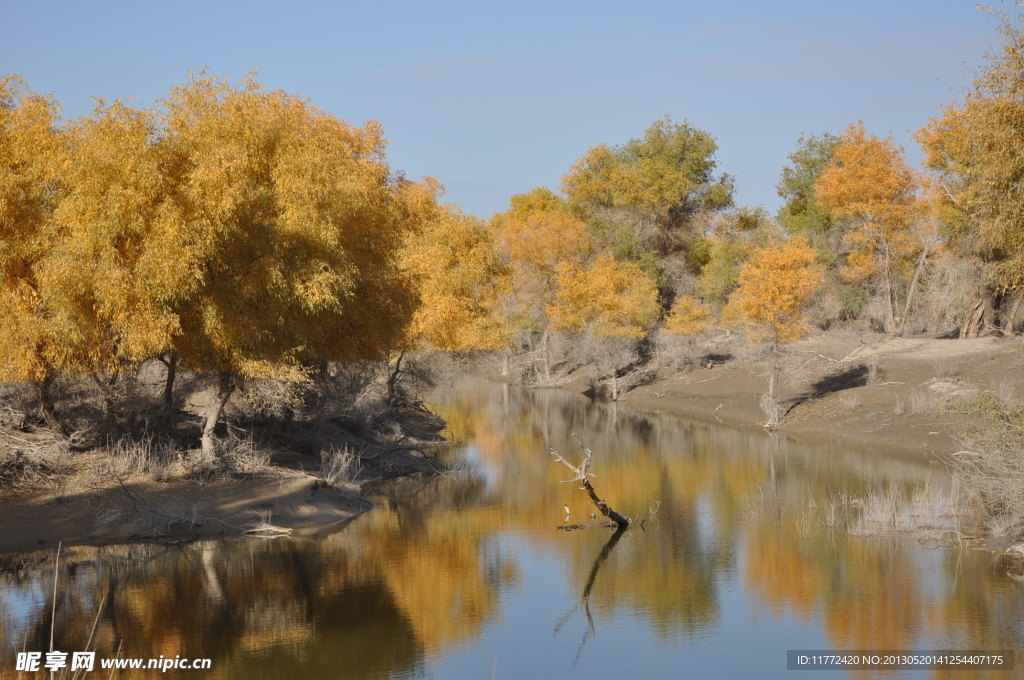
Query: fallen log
[{"x": 583, "y": 475}]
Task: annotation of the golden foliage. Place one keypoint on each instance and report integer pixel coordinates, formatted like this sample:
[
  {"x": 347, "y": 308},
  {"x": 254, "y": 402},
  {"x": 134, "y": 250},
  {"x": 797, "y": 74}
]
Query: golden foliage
[
  {"x": 536, "y": 237},
  {"x": 287, "y": 230},
  {"x": 608, "y": 299},
  {"x": 32, "y": 342},
  {"x": 976, "y": 147},
  {"x": 459, "y": 279},
  {"x": 689, "y": 316},
  {"x": 670, "y": 167},
  {"x": 543, "y": 240},
  {"x": 774, "y": 287},
  {"x": 870, "y": 182}
]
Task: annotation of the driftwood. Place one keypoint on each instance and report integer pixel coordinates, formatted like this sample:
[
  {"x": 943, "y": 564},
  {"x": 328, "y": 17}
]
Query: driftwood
[{"x": 583, "y": 475}]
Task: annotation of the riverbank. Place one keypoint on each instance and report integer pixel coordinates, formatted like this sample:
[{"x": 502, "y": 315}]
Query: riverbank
[
  {"x": 892, "y": 395},
  {"x": 95, "y": 499}
]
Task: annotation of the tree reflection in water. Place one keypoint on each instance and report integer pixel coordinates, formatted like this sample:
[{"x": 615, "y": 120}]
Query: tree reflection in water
[{"x": 443, "y": 569}]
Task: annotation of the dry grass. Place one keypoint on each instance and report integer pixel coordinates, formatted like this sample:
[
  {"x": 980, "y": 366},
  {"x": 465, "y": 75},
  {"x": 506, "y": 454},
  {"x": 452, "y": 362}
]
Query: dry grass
[
  {"x": 851, "y": 402},
  {"x": 874, "y": 374},
  {"x": 899, "y": 407},
  {"x": 922, "y": 402},
  {"x": 1005, "y": 390},
  {"x": 991, "y": 463},
  {"x": 949, "y": 367},
  {"x": 933, "y": 510},
  {"x": 340, "y": 466},
  {"x": 130, "y": 456}
]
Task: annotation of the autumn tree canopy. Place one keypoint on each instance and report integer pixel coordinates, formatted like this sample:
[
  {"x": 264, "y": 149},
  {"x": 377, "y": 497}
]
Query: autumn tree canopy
[
  {"x": 243, "y": 232},
  {"x": 35, "y": 340},
  {"x": 977, "y": 149},
  {"x": 774, "y": 288},
  {"x": 870, "y": 183},
  {"x": 460, "y": 279},
  {"x": 803, "y": 212},
  {"x": 643, "y": 197}
]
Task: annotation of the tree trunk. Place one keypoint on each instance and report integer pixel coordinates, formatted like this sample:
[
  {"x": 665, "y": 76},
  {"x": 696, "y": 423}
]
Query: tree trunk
[
  {"x": 1011, "y": 317},
  {"x": 912, "y": 290},
  {"x": 993, "y": 303},
  {"x": 44, "y": 402},
  {"x": 172, "y": 371},
  {"x": 505, "y": 363},
  {"x": 225, "y": 386},
  {"x": 974, "y": 321},
  {"x": 545, "y": 347},
  {"x": 615, "y": 385},
  {"x": 890, "y": 302},
  {"x": 393, "y": 379}
]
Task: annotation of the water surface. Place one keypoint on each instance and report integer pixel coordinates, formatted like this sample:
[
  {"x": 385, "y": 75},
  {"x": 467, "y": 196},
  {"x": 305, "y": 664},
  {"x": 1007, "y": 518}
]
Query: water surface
[{"x": 744, "y": 552}]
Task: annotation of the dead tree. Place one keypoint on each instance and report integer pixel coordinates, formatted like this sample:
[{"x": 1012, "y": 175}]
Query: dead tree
[{"x": 583, "y": 475}]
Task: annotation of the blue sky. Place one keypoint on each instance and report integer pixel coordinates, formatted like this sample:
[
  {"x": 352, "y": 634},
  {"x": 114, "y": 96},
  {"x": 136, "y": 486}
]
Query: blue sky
[{"x": 493, "y": 99}]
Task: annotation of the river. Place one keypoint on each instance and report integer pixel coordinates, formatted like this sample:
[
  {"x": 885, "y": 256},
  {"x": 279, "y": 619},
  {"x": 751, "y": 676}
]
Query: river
[{"x": 743, "y": 546}]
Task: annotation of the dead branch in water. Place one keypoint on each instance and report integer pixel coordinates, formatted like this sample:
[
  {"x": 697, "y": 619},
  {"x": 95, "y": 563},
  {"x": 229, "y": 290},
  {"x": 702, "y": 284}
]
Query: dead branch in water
[{"x": 583, "y": 475}]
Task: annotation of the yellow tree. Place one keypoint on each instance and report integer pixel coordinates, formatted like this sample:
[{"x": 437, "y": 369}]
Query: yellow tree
[
  {"x": 689, "y": 316},
  {"x": 459, "y": 278},
  {"x": 977, "y": 148},
  {"x": 607, "y": 299},
  {"x": 644, "y": 197},
  {"x": 111, "y": 283},
  {"x": 284, "y": 235},
  {"x": 870, "y": 182},
  {"x": 537, "y": 236},
  {"x": 768, "y": 305},
  {"x": 34, "y": 345}
]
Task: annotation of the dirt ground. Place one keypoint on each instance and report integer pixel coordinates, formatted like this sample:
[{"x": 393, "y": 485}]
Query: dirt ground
[
  {"x": 87, "y": 505},
  {"x": 900, "y": 406}
]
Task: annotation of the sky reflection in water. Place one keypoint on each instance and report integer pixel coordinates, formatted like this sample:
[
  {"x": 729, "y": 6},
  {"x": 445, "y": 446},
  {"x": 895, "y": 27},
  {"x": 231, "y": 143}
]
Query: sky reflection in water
[{"x": 465, "y": 576}]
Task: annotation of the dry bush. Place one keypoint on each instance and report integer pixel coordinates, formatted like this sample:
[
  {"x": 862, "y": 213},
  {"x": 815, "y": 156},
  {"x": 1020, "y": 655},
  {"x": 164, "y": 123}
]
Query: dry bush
[
  {"x": 244, "y": 454},
  {"x": 991, "y": 463},
  {"x": 948, "y": 289},
  {"x": 774, "y": 413},
  {"x": 34, "y": 466},
  {"x": 677, "y": 352},
  {"x": 149, "y": 519},
  {"x": 1005, "y": 390},
  {"x": 17, "y": 405},
  {"x": 615, "y": 362},
  {"x": 159, "y": 457},
  {"x": 340, "y": 466},
  {"x": 282, "y": 397}
]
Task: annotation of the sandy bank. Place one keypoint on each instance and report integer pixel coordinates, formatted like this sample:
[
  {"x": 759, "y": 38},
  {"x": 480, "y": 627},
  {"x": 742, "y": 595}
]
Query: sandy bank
[
  {"x": 898, "y": 407},
  {"x": 90, "y": 506}
]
